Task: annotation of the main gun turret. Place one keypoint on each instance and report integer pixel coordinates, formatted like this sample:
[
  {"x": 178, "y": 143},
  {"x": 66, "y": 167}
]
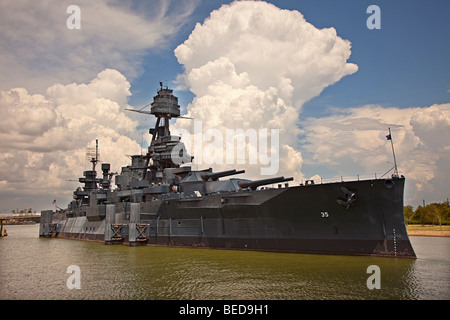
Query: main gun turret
[
  {"x": 216, "y": 175},
  {"x": 256, "y": 183}
]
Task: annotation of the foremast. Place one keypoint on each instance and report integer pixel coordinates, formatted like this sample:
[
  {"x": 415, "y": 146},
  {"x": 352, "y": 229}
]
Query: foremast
[{"x": 165, "y": 151}]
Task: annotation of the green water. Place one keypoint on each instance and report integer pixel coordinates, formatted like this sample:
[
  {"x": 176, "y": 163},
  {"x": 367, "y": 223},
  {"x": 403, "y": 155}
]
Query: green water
[{"x": 35, "y": 268}]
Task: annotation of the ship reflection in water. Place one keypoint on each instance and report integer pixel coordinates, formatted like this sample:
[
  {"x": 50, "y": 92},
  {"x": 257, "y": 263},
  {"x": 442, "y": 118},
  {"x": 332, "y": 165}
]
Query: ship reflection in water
[{"x": 35, "y": 268}]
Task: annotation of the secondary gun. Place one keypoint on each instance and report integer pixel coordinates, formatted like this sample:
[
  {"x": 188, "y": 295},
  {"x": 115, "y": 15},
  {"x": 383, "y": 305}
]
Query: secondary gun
[
  {"x": 216, "y": 175},
  {"x": 256, "y": 183}
]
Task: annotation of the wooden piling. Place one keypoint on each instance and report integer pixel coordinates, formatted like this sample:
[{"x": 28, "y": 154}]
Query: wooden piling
[{"x": 3, "y": 232}]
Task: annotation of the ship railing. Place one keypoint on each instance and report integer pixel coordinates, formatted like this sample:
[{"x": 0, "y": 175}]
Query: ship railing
[{"x": 337, "y": 179}]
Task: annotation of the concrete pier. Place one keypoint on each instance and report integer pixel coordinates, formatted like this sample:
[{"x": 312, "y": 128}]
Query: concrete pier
[
  {"x": 134, "y": 224},
  {"x": 46, "y": 220},
  {"x": 110, "y": 219}
]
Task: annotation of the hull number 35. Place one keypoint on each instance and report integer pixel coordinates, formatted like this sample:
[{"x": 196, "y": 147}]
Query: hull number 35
[{"x": 324, "y": 214}]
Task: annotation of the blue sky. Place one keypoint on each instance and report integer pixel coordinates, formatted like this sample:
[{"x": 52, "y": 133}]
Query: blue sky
[
  {"x": 61, "y": 89},
  {"x": 406, "y": 63}
]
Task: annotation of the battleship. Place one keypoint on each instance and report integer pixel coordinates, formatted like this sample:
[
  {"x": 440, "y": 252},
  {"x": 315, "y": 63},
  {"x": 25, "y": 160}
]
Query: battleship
[{"x": 159, "y": 200}]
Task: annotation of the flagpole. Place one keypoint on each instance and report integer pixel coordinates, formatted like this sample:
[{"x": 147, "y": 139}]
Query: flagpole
[{"x": 393, "y": 153}]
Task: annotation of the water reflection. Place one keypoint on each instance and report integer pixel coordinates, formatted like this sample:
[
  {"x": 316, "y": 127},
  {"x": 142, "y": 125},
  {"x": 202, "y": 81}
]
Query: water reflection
[{"x": 33, "y": 268}]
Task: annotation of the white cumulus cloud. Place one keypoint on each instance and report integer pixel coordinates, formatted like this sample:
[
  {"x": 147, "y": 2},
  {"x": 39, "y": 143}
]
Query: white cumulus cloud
[
  {"x": 354, "y": 141},
  {"x": 252, "y": 65},
  {"x": 61, "y": 89},
  {"x": 37, "y": 49},
  {"x": 43, "y": 138}
]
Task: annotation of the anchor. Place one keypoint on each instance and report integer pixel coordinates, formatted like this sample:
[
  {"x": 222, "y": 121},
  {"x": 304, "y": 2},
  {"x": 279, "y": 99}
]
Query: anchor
[{"x": 350, "y": 198}]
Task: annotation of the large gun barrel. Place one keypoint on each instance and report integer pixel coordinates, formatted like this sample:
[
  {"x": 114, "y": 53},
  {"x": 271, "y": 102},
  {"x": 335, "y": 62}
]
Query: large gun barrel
[
  {"x": 256, "y": 183},
  {"x": 216, "y": 175}
]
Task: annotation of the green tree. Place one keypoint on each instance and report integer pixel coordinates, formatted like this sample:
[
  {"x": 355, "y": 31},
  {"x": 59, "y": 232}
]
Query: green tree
[
  {"x": 440, "y": 212},
  {"x": 421, "y": 215},
  {"x": 433, "y": 213},
  {"x": 408, "y": 211}
]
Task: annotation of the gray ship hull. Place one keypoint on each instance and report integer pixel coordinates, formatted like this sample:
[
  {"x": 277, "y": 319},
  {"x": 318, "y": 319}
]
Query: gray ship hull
[{"x": 355, "y": 218}]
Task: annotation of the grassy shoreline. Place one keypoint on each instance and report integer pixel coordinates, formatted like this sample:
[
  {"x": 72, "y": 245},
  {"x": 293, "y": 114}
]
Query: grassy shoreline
[{"x": 428, "y": 230}]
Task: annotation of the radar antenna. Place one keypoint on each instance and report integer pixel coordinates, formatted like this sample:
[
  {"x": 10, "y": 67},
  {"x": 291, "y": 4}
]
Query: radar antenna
[{"x": 92, "y": 155}]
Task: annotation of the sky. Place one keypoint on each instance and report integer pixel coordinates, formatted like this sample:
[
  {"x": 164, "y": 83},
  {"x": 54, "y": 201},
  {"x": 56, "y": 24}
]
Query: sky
[{"x": 323, "y": 85}]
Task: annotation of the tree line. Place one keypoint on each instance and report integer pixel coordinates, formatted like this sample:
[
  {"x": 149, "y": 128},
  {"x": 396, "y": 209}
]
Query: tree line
[
  {"x": 23, "y": 211},
  {"x": 433, "y": 213}
]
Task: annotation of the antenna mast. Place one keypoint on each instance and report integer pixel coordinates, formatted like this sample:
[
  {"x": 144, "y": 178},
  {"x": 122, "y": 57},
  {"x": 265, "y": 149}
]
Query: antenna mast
[
  {"x": 389, "y": 137},
  {"x": 93, "y": 156}
]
